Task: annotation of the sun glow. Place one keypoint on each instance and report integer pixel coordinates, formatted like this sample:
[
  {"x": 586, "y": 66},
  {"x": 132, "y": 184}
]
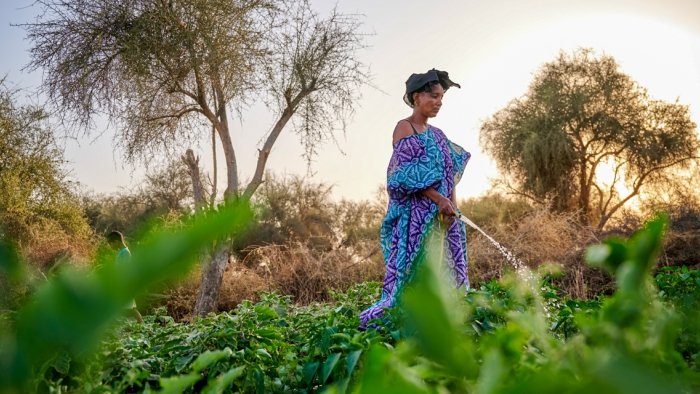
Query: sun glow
[
  {"x": 661, "y": 57},
  {"x": 610, "y": 178}
]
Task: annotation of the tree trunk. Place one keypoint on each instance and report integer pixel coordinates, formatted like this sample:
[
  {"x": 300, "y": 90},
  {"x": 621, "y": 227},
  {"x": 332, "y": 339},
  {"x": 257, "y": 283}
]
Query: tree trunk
[
  {"x": 192, "y": 163},
  {"x": 230, "y": 156},
  {"x": 208, "y": 295},
  {"x": 215, "y": 166},
  {"x": 264, "y": 153},
  {"x": 584, "y": 203}
]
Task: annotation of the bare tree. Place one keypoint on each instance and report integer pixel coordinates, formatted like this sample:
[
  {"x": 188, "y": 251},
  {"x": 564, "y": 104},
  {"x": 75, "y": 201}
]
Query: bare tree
[
  {"x": 166, "y": 72},
  {"x": 313, "y": 73}
]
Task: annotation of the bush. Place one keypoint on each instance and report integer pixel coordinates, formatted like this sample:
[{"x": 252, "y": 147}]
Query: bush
[
  {"x": 307, "y": 276},
  {"x": 539, "y": 237}
]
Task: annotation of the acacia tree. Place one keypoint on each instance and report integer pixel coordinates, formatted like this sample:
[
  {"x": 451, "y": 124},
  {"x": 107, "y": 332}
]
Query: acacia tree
[
  {"x": 579, "y": 113},
  {"x": 168, "y": 72}
]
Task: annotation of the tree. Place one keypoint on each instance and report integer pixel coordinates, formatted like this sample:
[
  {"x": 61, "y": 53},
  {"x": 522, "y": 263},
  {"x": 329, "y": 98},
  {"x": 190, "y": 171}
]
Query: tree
[
  {"x": 579, "y": 114},
  {"x": 169, "y": 187},
  {"x": 169, "y": 72},
  {"x": 164, "y": 191},
  {"x": 38, "y": 208}
]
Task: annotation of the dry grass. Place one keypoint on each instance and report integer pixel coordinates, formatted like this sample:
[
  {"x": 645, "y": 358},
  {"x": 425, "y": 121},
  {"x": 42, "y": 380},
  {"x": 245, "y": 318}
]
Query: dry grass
[
  {"x": 297, "y": 270},
  {"x": 49, "y": 245},
  {"x": 307, "y": 275},
  {"x": 538, "y": 238}
]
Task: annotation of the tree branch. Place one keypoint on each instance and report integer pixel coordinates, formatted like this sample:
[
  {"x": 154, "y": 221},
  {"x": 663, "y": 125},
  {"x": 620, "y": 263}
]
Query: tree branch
[
  {"x": 177, "y": 115},
  {"x": 264, "y": 153}
]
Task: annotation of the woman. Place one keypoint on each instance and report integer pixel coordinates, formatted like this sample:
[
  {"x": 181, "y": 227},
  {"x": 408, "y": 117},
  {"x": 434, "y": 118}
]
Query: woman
[{"x": 424, "y": 168}]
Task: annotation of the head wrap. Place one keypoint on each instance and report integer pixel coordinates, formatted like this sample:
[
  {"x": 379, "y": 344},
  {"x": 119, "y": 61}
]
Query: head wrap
[{"x": 416, "y": 81}]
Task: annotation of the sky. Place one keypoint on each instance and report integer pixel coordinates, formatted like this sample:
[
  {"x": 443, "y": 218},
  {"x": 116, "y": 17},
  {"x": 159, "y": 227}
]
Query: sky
[{"x": 492, "y": 48}]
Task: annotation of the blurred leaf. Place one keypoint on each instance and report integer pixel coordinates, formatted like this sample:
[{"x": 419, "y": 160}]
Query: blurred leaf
[
  {"x": 491, "y": 374},
  {"x": 71, "y": 312},
  {"x": 224, "y": 381},
  {"x": 178, "y": 384},
  {"x": 351, "y": 361},
  {"x": 434, "y": 313},
  {"x": 309, "y": 371},
  {"x": 383, "y": 374},
  {"x": 625, "y": 375},
  {"x": 328, "y": 366},
  {"x": 597, "y": 255},
  {"x": 208, "y": 358}
]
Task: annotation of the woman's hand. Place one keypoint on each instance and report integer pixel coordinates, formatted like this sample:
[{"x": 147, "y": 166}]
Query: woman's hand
[{"x": 445, "y": 206}]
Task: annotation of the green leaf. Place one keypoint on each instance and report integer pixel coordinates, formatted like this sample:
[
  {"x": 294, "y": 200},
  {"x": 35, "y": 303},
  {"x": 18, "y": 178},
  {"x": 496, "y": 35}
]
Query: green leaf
[
  {"x": 433, "y": 310},
  {"x": 210, "y": 357},
  {"x": 351, "y": 361},
  {"x": 71, "y": 312},
  {"x": 224, "y": 381},
  {"x": 268, "y": 333},
  {"x": 492, "y": 373},
  {"x": 385, "y": 373},
  {"x": 596, "y": 255},
  {"x": 328, "y": 366},
  {"x": 309, "y": 371},
  {"x": 178, "y": 384},
  {"x": 265, "y": 313},
  {"x": 62, "y": 363},
  {"x": 183, "y": 361}
]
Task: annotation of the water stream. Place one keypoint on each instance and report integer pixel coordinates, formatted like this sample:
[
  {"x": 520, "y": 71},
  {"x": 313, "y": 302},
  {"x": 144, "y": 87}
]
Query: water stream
[{"x": 519, "y": 266}]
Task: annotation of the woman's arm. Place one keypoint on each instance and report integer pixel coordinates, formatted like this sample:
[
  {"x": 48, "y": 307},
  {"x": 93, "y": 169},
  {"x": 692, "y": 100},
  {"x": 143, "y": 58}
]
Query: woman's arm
[{"x": 444, "y": 204}]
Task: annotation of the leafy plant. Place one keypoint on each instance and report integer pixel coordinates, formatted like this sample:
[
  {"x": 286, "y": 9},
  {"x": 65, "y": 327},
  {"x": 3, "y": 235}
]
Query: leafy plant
[
  {"x": 511, "y": 336},
  {"x": 70, "y": 312},
  {"x": 626, "y": 346}
]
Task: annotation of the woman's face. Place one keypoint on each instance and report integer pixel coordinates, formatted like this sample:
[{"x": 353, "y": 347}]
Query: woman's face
[{"x": 429, "y": 103}]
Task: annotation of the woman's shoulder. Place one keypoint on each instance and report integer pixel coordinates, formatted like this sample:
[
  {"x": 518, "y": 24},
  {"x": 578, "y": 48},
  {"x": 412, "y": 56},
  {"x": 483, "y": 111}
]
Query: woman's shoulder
[
  {"x": 402, "y": 130},
  {"x": 436, "y": 129}
]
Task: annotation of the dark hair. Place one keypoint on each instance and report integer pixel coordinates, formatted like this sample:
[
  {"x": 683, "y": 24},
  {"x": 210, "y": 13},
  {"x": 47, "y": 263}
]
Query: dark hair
[
  {"x": 427, "y": 88},
  {"x": 115, "y": 236}
]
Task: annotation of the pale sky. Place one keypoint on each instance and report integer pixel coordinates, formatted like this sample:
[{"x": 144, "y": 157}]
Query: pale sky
[{"x": 492, "y": 48}]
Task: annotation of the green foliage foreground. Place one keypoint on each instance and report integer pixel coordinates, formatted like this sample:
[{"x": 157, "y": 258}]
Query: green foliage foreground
[{"x": 513, "y": 336}]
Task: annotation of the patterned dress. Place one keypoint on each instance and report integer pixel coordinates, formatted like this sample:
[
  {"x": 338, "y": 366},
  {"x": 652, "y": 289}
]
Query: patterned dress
[{"x": 420, "y": 161}]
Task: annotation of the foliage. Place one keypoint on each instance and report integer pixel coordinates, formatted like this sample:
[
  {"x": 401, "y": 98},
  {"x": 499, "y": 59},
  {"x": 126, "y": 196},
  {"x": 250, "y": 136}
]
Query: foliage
[
  {"x": 272, "y": 345},
  {"x": 295, "y": 210},
  {"x": 38, "y": 208},
  {"x": 494, "y": 209},
  {"x": 68, "y": 314},
  {"x": 582, "y": 113},
  {"x": 681, "y": 287},
  {"x": 169, "y": 73},
  {"x": 516, "y": 335},
  {"x": 628, "y": 346},
  {"x": 165, "y": 191}
]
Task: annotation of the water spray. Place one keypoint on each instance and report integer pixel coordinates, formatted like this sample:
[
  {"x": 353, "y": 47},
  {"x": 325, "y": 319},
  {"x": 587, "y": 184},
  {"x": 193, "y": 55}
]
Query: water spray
[{"x": 512, "y": 259}]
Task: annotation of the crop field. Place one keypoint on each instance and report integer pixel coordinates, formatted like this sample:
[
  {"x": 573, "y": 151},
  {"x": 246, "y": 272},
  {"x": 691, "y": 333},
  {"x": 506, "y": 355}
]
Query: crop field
[{"x": 514, "y": 335}]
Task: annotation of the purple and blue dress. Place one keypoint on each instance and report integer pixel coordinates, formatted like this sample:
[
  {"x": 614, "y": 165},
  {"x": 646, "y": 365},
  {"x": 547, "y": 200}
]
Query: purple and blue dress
[{"x": 419, "y": 161}]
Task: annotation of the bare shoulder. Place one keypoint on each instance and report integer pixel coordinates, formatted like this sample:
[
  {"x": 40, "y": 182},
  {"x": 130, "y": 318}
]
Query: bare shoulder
[{"x": 402, "y": 129}]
